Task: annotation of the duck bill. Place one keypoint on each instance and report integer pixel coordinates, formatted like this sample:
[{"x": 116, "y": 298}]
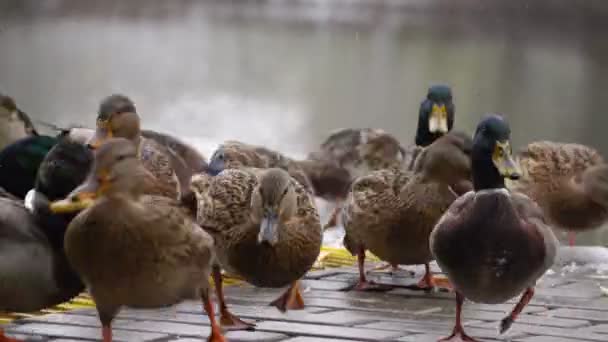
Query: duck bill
[
  {"x": 268, "y": 229},
  {"x": 438, "y": 120},
  {"x": 503, "y": 161},
  {"x": 102, "y": 133},
  {"x": 83, "y": 197}
]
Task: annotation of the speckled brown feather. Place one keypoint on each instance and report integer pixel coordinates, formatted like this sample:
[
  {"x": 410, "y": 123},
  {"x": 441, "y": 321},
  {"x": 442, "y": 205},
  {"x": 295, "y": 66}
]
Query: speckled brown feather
[
  {"x": 157, "y": 162},
  {"x": 238, "y": 155},
  {"x": 361, "y": 151},
  {"x": 142, "y": 254},
  {"x": 551, "y": 172},
  {"x": 493, "y": 245},
  {"x": 224, "y": 210}
]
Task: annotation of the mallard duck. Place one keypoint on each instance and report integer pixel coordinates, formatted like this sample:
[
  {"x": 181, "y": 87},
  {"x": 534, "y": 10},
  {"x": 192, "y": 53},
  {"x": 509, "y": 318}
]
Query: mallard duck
[
  {"x": 263, "y": 213},
  {"x": 117, "y": 117},
  {"x": 35, "y": 272},
  {"x": 19, "y": 163},
  {"x": 14, "y": 123},
  {"x": 568, "y": 181},
  {"x": 391, "y": 212},
  {"x": 185, "y": 159},
  {"x": 492, "y": 244},
  {"x": 158, "y": 255},
  {"x": 234, "y": 154},
  {"x": 436, "y": 115}
]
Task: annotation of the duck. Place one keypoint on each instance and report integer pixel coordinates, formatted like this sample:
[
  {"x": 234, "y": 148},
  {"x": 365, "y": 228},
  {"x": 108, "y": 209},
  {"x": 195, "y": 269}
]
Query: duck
[
  {"x": 568, "y": 181},
  {"x": 493, "y": 244},
  {"x": 36, "y": 273},
  {"x": 118, "y": 117},
  {"x": 185, "y": 159},
  {"x": 391, "y": 212},
  {"x": 350, "y": 153},
  {"x": 15, "y": 124},
  {"x": 233, "y": 154},
  {"x": 264, "y": 213},
  {"x": 159, "y": 255}
]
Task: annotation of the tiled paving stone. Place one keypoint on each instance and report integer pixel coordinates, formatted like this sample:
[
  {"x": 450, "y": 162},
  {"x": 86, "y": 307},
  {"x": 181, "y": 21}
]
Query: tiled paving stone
[
  {"x": 70, "y": 331},
  {"x": 591, "y": 315},
  {"x": 549, "y": 331},
  {"x": 327, "y": 331},
  {"x": 549, "y": 339},
  {"x": 317, "y": 339},
  {"x": 242, "y": 336},
  {"x": 431, "y": 338},
  {"x": 84, "y": 320}
]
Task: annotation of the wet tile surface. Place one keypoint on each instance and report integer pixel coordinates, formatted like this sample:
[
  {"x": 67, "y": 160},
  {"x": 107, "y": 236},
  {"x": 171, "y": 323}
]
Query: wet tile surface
[{"x": 568, "y": 306}]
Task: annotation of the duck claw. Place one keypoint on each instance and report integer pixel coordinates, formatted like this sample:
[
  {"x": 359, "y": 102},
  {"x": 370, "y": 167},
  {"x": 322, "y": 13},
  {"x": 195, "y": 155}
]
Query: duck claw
[{"x": 230, "y": 322}]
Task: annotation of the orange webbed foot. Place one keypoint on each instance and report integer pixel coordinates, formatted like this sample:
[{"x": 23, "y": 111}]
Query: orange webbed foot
[
  {"x": 290, "y": 300},
  {"x": 368, "y": 286},
  {"x": 430, "y": 283},
  {"x": 230, "y": 322},
  {"x": 458, "y": 336},
  {"x": 4, "y": 338}
]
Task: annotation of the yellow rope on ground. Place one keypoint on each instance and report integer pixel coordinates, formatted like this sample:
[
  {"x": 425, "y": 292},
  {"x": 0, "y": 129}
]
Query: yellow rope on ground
[{"x": 329, "y": 257}]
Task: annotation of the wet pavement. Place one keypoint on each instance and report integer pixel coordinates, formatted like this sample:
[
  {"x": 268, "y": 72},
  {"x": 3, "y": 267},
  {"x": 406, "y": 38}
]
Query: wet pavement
[{"x": 571, "y": 304}]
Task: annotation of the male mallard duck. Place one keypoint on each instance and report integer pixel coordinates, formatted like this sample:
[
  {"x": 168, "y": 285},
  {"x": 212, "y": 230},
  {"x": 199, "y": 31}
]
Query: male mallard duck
[
  {"x": 14, "y": 123},
  {"x": 117, "y": 117},
  {"x": 159, "y": 256},
  {"x": 436, "y": 115},
  {"x": 19, "y": 163},
  {"x": 35, "y": 272},
  {"x": 234, "y": 154},
  {"x": 391, "y": 212},
  {"x": 568, "y": 181},
  {"x": 266, "y": 229},
  {"x": 492, "y": 244}
]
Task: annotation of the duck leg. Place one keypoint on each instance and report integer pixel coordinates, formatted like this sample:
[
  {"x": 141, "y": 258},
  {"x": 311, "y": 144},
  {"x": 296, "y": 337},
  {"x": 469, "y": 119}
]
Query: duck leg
[
  {"x": 571, "y": 238},
  {"x": 4, "y": 338},
  {"x": 429, "y": 282},
  {"x": 394, "y": 268},
  {"x": 333, "y": 219},
  {"x": 506, "y": 322},
  {"x": 363, "y": 284},
  {"x": 227, "y": 319},
  {"x": 106, "y": 316},
  {"x": 216, "y": 333},
  {"x": 458, "y": 334},
  {"x": 290, "y": 300}
]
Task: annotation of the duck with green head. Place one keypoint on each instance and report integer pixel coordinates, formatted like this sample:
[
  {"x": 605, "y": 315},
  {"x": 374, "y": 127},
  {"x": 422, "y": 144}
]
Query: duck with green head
[
  {"x": 436, "y": 115},
  {"x": 493, "y": 244}
]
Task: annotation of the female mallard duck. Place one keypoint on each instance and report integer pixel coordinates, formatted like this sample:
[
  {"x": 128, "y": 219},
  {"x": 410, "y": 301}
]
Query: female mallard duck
[
  {"x": 14, "y": 123},
  {"x": 492, "y": 244},
  {"x": 35, "y": 272},
  {"x": 235, "y": 154},
  {"x": 568, "y": 181},
  {"x": 159, "y": 256},
  {"x": 263, "y": 213},
  {"x": 117, "y": 117},
  {"x": 391, "y": 212},
  {"x": 361, "y": 151}
]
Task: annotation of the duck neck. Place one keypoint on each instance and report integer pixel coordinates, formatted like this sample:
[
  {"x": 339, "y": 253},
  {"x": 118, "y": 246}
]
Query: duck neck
[{"x": 485, "y": 174}]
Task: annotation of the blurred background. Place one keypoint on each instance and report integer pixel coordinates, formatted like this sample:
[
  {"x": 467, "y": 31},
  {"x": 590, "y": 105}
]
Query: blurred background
[{"x": 284, "y": 73}]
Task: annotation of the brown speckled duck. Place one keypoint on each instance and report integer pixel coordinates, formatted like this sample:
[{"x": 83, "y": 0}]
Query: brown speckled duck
[
  {"x": 14, "y": 123},
  {"x": 234, "y": 154},
  {"x": 131, "y": 249},
  {"x": 117, "y": 117},
  {"x": 492, "y": 244},
  {"x": 392, "y": 212},
  {"x": 266, "y": 229},
  {"x": 568, "y": 181}
]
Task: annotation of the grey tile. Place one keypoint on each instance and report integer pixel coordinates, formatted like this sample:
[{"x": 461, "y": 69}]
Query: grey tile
[
  {"x": 327, "y": 331},
  {"x": 70, "y": 331}
]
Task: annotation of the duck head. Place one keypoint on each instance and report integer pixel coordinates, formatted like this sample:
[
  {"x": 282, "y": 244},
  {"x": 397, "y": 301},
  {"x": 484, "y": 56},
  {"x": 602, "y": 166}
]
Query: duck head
[
  {"x": 436, "y": 115},
  {"x": 273, "y": 202},
  {"x": 8, "y": 107},
  {"x": 116, "y": 117},
  {"x": 217, "y": 162},
  {"x": 492, "y": 159},
  {"x": 114, "y": 173}
]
